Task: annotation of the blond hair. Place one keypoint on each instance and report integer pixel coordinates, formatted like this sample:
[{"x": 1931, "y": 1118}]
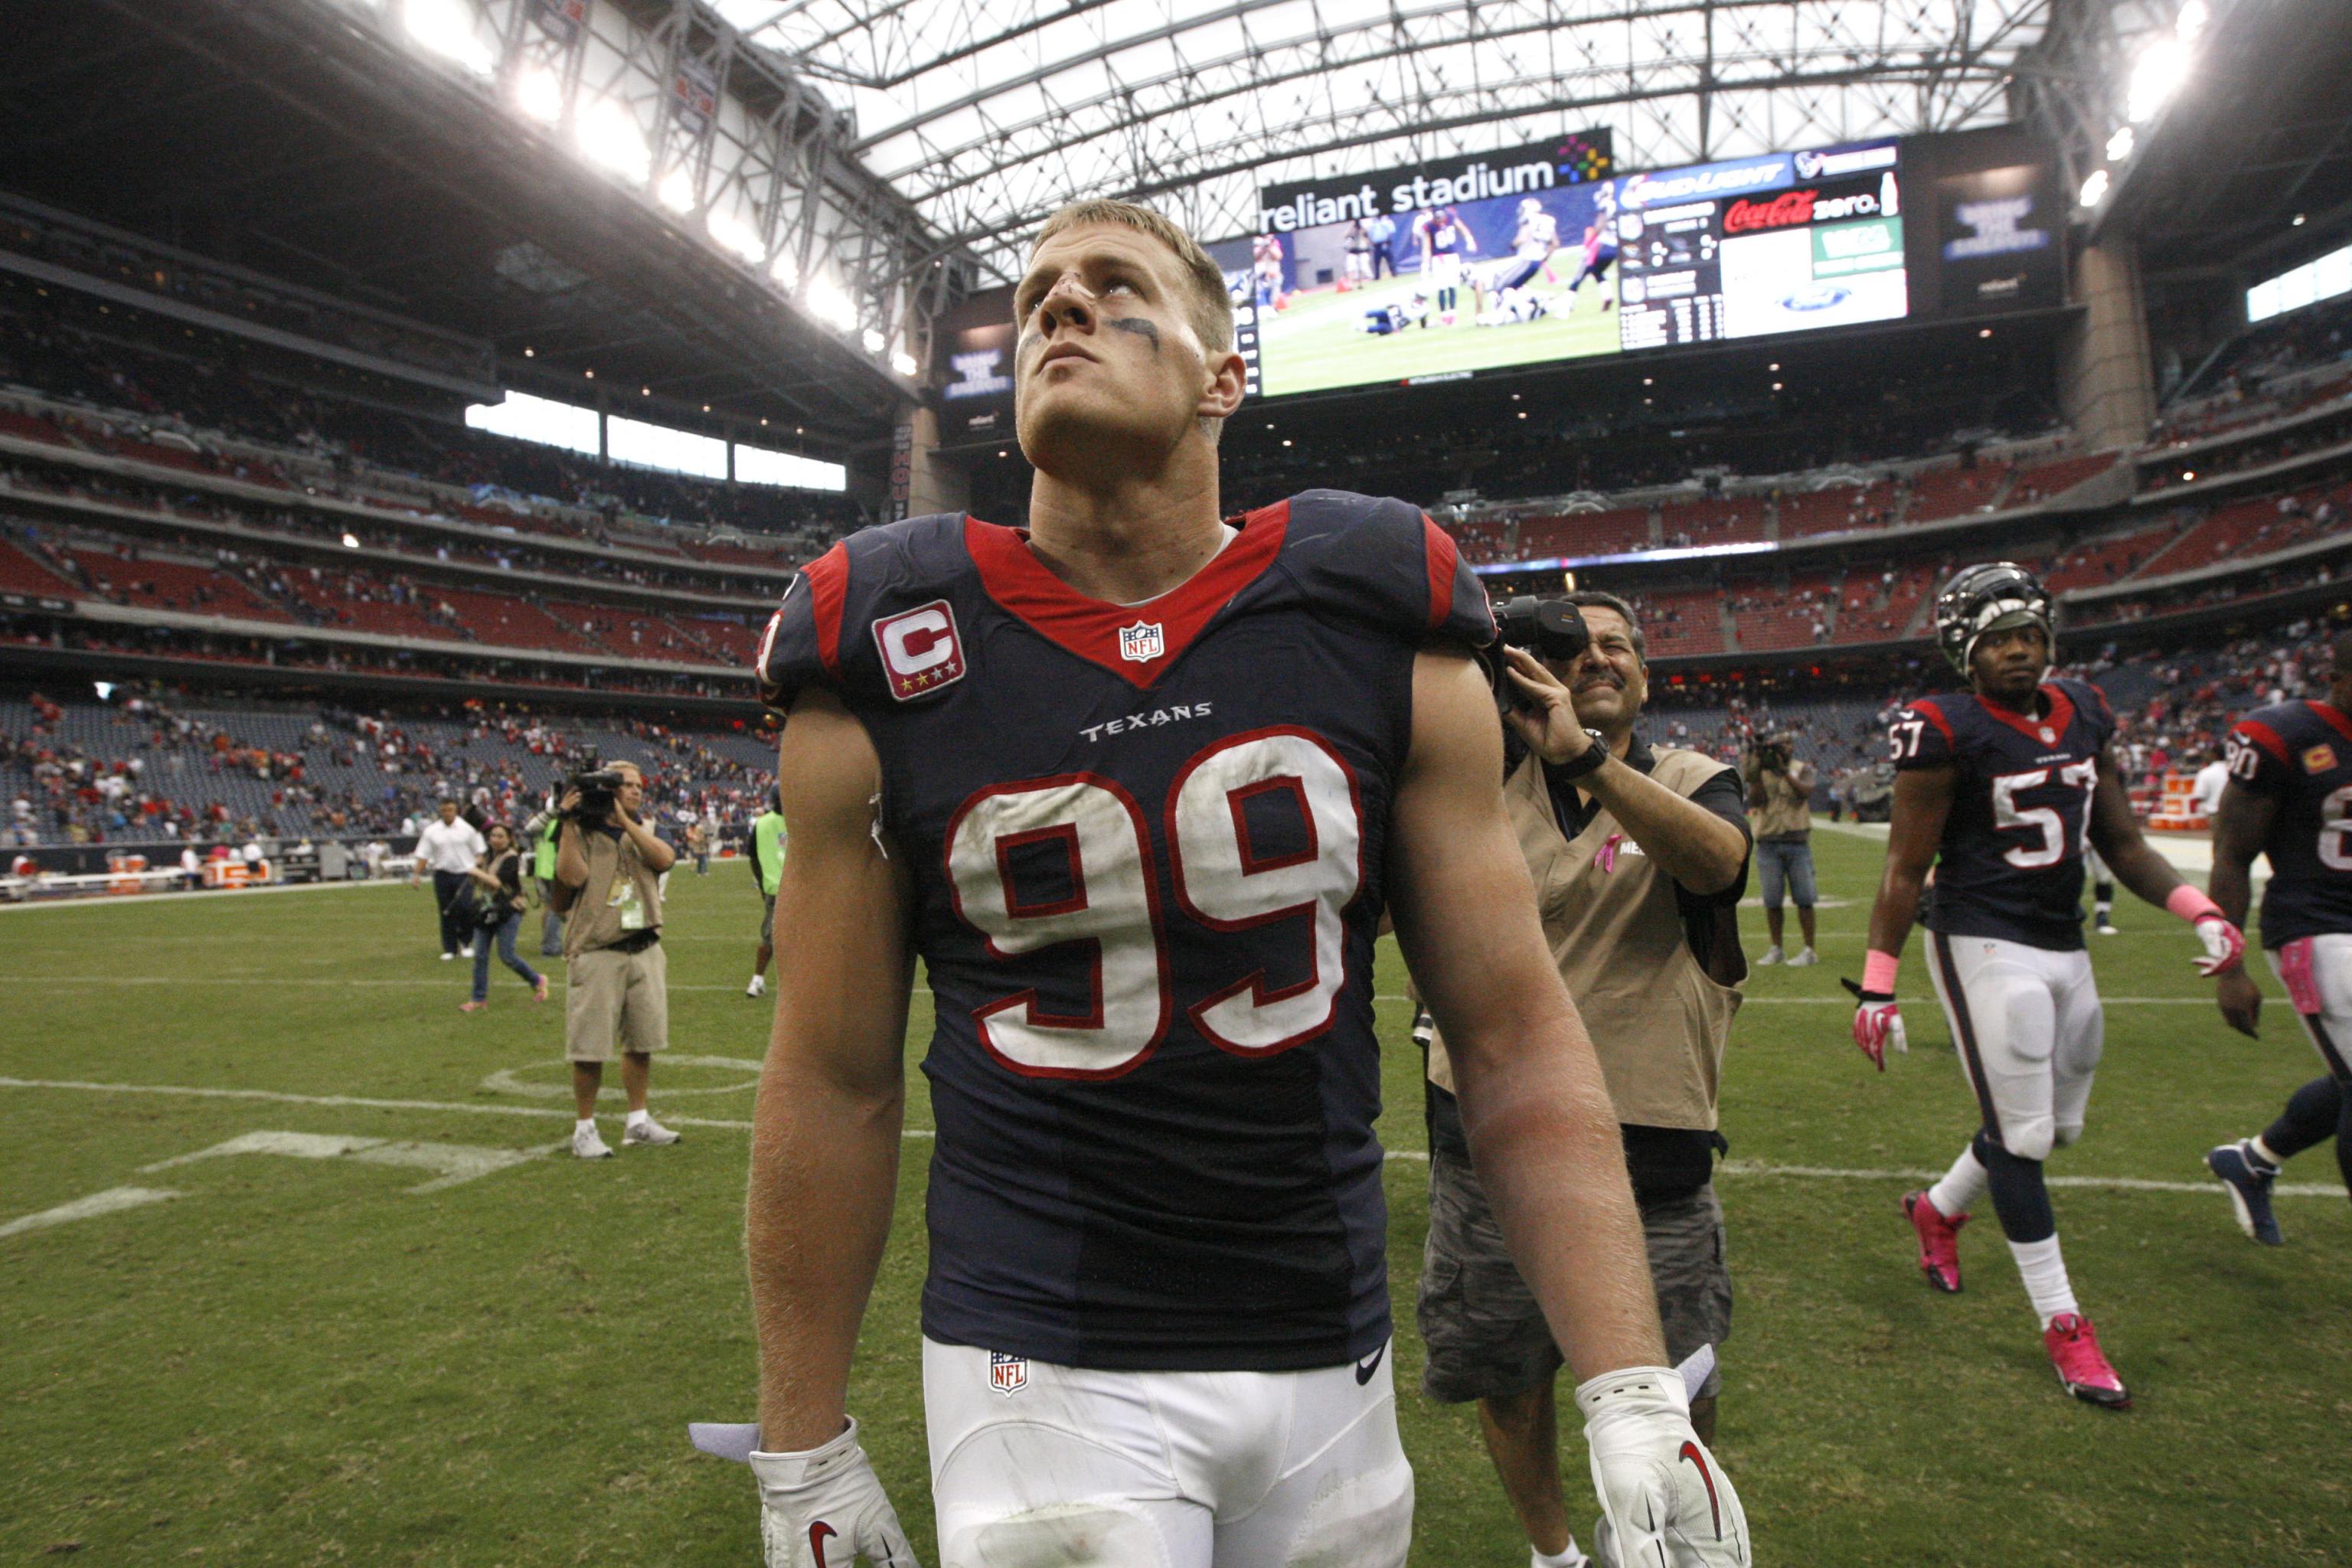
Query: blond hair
[{"x": 1211, "y": 313}]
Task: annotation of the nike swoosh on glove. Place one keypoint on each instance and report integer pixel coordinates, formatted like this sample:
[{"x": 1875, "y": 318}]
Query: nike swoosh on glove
[
  {"x": 821, "y": 1508},
  {"x": 1877, "y": 1024},
  {"x": 1667, "y": 1504},
  {"x": 2225, "y": 946}
]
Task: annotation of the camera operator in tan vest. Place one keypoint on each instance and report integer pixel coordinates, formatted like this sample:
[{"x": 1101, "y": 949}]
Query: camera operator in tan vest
[
  {"x": 1639, "y": 856},
  {"x": 616, "y": 1001}
]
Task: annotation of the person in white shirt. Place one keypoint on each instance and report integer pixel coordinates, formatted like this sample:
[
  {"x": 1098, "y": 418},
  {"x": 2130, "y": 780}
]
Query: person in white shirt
[
  {"x": 2205, "y": 798},
  {"x": 449, "y": 848}
]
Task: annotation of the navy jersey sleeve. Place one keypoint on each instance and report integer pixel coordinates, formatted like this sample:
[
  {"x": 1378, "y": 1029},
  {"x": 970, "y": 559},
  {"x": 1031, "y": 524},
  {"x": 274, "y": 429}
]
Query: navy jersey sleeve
[
  {"x": 802, "y": 646},
  {"x": 2260, "y": 757},
  {"x": 1384, "y": 562},
  {"x": 2091, "y": 704},
  {"x": 1921, "y": 736}
]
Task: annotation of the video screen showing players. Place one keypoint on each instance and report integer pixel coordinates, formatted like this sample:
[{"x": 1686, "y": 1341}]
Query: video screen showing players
[
  {"x": 1791, "y": 242},
  {"x": 1432, "y": 291}
]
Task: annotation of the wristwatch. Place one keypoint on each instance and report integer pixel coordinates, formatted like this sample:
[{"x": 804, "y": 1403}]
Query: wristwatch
[{"x": 1585, "y": 762}]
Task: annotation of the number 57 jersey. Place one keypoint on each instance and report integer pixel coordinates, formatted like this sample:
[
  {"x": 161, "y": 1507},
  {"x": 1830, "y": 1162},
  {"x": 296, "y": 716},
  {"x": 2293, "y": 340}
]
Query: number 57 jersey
[
  {"x": 1146, "y": 847},
  {"x": 2010, "y": 864}
]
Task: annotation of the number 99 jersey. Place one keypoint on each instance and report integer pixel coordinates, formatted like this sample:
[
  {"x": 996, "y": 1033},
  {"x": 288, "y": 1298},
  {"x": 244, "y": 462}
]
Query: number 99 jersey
[
  {"x": 2299, "y": 754},
  {"x": 2011, "y": 862},
  {"x": 1147, "y": 845}
]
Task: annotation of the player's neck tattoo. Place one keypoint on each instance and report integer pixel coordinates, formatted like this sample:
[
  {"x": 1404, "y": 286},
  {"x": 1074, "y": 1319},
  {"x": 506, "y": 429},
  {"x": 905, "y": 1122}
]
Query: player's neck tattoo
[{"x": 1147, "y": 330}]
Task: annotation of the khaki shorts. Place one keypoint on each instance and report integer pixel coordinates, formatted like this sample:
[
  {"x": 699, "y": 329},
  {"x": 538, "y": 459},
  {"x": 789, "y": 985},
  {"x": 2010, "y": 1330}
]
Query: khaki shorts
[
  {"x": 616, "y": 1002},
  {"x": 1485, "y": 1336}
]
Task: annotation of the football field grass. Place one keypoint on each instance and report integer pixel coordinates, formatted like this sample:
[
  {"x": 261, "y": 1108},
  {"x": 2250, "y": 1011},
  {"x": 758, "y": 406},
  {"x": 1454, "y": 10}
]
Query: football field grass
[
  {"x": 1318, "y": 340},
  {"x": 365, "y": 1345}
]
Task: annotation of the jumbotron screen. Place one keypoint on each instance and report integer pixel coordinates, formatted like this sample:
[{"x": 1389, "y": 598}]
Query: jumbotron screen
[{"x": 1544, "y": 255}]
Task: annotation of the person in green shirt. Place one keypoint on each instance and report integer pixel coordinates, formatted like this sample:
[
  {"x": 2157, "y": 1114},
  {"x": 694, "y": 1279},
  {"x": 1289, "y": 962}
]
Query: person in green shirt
[
  {"x": 539, "y": 833},
  {"x": 767, "y": 859}
]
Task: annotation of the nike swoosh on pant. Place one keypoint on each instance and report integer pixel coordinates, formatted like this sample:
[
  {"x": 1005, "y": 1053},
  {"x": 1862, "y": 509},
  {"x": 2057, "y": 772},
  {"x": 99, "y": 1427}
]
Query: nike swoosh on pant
[{"x": 1364, "y": 1368}]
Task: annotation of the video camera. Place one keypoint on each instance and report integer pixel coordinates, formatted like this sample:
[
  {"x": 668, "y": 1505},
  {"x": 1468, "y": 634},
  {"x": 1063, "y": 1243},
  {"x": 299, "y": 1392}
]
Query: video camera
[
  {"x": 1551, "y": 629},
  {"x": 599, "y": 787},
  {"x": 1773, "y": 753}
]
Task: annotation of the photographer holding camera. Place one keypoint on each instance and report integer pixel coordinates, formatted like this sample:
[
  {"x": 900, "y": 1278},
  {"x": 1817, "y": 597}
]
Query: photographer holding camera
[
  {"x": 1780, "y": 792},
  {"x": 1639, "y": 856},
  {"x": 608, "y": 868}
]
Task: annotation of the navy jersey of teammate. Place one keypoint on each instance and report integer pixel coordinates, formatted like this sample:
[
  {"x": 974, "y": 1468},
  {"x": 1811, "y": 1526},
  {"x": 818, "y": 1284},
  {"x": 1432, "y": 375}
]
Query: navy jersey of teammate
[
  {"x": 2289, "y": 799},
  {"x": 2003, "y": 792},
  {"x": 1147, "y": 845},
  {"x": 2299, "y": 756},
  {"x": 2010, "y": 864}
]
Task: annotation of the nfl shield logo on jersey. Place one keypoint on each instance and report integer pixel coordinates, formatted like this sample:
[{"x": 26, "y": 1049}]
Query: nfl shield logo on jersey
[
  {"x": 1140, "y": 643},
  {"x": 920, "y": 650},
  {"x": 1008, "y": 1374}
]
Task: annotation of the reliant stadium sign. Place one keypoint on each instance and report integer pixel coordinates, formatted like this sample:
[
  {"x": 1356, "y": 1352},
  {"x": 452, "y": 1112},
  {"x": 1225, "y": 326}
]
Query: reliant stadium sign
[{"x": 1393, "y": 192}]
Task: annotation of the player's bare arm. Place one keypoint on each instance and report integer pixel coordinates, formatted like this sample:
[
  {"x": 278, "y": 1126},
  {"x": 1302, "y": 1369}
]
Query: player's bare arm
[
  {"x": 826, "y": 1135},
  {"x": 2242, "y": 825},
  {"x": 1923, "y": 799},
  {"x": 2114, "y": 833},
  {"x": 1542, "y": 1131},
  {"x": 1691, "y": 843}
]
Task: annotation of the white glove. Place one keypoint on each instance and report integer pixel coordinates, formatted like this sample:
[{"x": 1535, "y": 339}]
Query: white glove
[
  {"x": 1666, "y": 1503},
  {"x": 820, "y": 1508}
]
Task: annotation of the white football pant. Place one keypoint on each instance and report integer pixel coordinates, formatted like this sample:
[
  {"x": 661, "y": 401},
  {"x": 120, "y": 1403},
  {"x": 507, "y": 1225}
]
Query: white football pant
[
  {"x": 2318, "y": 974},
  {"x": 1035, "y": 1466},
  {"x": 2029, "y": 1031}
]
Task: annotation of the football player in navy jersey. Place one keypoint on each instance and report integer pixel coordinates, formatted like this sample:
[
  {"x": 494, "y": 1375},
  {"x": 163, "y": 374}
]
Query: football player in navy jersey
[
  {"x": 2289, "y": 797},
  {"x": 1137, "y": 787},
  {"x": 2003, "y": 789}
]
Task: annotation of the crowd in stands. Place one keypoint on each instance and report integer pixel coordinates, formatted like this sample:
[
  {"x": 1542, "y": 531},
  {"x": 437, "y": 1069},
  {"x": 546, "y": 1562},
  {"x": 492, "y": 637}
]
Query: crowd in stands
[{"x": 139, "y": 770}]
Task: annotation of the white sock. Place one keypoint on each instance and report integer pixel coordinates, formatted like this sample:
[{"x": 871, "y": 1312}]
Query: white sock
[
  {"x": 2264, "y": 1152},
  {"x": 1961, "y": 1185},
  {"x": 2102, "y": 910},
  {"x": 1567, "y": 1557},
  {"x": 637, "y": 1119},
  {"x": 585, "y": 1124},
  {"x": 2044, "y": 1269}
]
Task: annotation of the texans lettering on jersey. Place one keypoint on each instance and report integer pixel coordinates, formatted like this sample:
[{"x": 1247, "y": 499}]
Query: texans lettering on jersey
[
  {"x": 1148, "y": 847},
  {"x": 2011, "y": 862},
  {"x": 2299, "y": 755}
]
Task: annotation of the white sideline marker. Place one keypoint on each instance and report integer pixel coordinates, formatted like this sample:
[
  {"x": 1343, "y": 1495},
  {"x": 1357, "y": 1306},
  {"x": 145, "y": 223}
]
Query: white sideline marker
[
  {"x": 114, "y": 1200},
  {"x": 452, "y": 1163}
]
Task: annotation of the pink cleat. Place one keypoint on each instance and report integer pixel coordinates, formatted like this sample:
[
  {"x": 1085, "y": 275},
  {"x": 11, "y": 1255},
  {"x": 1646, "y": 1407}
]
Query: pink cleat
[
  {"x": 2075, "y": 1351},
  {"x": 1939, "y": 1243}
]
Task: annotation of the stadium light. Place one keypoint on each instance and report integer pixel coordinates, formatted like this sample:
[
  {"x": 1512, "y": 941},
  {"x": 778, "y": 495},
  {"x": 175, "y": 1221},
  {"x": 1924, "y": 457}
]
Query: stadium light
[
  {"x": 2094, "y": 189},
  {"x": 872, "y": 340},
  {"x": 445, "y": 27},
  {"x": 736, "y": 237},
  {"x": 351, "y": 542},
  {"x": 2190, "y": 25},
  {"x": 785, "y": 270},
  {"x": 540, "y": 95},
  {"x": 610, "y": 139},
  {"x": 829, "y": 303},
  {"x": 2119, "y": 145},
  {"x": 904, "y": 363},
  {"x": 2155, "y": 76}
]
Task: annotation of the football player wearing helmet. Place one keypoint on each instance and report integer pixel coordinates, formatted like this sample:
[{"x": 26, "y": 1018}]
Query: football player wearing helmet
[
  {"x": 2003, "y": 789},
  {"x": 2289, "y": 797}
]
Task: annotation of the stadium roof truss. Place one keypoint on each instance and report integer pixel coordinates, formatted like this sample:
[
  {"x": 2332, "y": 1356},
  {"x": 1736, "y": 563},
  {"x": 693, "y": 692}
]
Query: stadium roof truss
[{"x": 986, "y": 115}]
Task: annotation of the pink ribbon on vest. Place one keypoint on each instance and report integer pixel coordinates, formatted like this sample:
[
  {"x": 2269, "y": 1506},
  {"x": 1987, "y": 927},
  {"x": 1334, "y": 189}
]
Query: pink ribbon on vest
[{"x": 1606, "y": 857}]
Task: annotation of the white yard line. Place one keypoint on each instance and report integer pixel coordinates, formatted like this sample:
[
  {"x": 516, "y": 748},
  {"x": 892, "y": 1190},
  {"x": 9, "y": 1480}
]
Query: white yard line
[
  {"x": 1731, "y": 1167},
  {"x": 124, "y": 901},
  {"x": 114, "y": 1200}
]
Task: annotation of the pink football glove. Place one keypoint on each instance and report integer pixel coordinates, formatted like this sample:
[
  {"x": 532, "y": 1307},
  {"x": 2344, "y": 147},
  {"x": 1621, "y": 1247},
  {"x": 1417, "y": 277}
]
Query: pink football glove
[
  {"x": 1877, "y": 1024},
  {"x": 2225, "y": 946}
]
